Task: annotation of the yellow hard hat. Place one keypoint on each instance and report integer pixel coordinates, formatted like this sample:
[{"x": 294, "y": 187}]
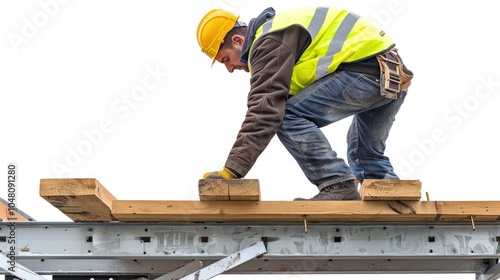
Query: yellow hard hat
[{"x": 212, "y": 29}]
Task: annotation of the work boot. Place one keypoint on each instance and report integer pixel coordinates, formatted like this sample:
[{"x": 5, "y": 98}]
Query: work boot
[{"x": 340, "y": 191}]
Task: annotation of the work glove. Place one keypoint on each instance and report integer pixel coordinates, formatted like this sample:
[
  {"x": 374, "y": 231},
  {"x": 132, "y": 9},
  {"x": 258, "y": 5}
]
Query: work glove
[{"x": 225, "y": 173}]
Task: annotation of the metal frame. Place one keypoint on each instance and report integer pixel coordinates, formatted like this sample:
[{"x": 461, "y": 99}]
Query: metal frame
[
  {"x": 18, "y": 270},
  {"x": 131, "y": 250}
]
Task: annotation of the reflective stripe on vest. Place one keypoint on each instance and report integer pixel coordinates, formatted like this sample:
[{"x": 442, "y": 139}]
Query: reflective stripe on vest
[{"x": 337, "y": 36}]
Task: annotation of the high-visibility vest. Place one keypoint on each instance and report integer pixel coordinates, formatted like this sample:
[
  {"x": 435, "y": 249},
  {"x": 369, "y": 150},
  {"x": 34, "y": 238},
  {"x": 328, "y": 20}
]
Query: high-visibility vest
[{"x": 337, "y": 36}]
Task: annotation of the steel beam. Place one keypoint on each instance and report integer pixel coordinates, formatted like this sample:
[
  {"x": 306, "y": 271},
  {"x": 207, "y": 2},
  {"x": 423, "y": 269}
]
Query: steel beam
[
  {"x": 155, "y": 249},
  {"x": 18, "y": 270}
]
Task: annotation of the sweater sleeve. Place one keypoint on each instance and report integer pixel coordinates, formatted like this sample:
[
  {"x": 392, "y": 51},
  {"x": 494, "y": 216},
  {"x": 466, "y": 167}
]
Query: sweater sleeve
[{"x": 273, "y": 58}]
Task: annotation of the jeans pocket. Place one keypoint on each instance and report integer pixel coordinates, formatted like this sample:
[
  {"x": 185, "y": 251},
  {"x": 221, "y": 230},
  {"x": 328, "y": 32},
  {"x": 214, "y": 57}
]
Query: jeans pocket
[{"x": 362, "y": 92}]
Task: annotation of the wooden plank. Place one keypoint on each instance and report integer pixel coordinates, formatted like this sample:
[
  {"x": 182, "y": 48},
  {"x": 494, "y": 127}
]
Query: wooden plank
[
  {"x": 213, "y": 190},
  {"x": 267, "y": 211},
  {"x": 81, "y": 199},
  {"x": 391, "y": 190},
  {"x": 244, "y": 189},
  {"x": 229, "y": 189},
  {"x": 481, "y": 211},
  {"x": 85, "y": 199}
]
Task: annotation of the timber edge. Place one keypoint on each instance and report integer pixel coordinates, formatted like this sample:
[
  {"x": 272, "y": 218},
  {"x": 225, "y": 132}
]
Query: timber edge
[{"x": 86, "y": 200}]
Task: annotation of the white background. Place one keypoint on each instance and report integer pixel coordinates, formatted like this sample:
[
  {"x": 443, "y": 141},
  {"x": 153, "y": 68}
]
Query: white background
[{"x": 73, "y": 101}]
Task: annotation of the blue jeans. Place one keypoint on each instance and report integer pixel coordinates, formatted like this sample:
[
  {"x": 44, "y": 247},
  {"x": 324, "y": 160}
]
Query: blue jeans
[{"x": 337, "y": 96}]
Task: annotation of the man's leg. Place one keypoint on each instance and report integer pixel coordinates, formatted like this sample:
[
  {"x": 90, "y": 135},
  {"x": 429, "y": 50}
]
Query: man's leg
[
  {"x": 366, "y": 140},
  {"x": 330, "y": 99}
]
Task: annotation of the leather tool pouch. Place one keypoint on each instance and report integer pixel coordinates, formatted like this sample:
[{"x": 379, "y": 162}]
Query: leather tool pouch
[{"x": 394, "y": 76}]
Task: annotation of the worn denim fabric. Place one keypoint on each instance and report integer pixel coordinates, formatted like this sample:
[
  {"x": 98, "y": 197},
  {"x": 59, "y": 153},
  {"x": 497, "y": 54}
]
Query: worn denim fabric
[{"x": 337, "y": 96}]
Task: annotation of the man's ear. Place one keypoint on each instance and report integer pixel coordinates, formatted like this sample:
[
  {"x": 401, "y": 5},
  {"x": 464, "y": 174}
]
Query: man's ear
[{"x": 238, "y": 40}]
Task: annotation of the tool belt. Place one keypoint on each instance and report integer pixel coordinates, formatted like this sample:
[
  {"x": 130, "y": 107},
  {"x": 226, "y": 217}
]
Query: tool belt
[{"x": 394, "y": 76}]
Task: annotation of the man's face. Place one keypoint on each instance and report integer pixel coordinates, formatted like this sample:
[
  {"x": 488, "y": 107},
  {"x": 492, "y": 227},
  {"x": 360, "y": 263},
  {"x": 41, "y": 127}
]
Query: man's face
[{"x": 230, "y": 57}]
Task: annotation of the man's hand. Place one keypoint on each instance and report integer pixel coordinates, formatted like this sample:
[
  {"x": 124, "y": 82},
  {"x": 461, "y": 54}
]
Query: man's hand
[{"x": 223, "y": 174}]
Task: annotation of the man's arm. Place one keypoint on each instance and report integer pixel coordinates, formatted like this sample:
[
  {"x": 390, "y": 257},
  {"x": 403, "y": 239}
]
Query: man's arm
[{"x": 273, "y": 58}]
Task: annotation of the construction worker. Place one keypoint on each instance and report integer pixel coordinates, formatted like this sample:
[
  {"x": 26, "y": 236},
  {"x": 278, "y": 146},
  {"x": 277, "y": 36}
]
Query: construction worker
[{"x": 310, "y": 68}]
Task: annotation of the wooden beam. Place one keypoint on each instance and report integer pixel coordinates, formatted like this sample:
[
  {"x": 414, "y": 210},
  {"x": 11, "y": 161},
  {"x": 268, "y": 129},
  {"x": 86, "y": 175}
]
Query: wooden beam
[
  {"x": 85, "y": 199},
  {"x": 275, "y": 211},
  {"x": 390, "y": 190},
  {"x": 226, "y": 189},
  {"x": 480, "y": 211},
  {"x": 81, "y": 199}
]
